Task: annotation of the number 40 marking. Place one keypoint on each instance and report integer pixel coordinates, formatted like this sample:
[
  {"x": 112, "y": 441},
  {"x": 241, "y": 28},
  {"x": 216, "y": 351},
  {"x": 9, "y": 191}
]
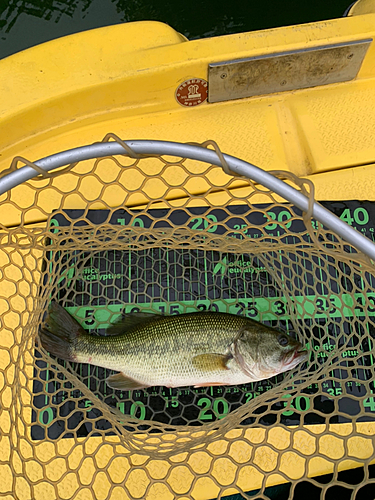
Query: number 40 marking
[{"x": 360, "y": 216}]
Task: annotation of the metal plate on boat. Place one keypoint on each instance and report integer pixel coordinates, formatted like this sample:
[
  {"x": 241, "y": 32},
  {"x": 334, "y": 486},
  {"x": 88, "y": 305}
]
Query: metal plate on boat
[{"x": 285, "y": 71}]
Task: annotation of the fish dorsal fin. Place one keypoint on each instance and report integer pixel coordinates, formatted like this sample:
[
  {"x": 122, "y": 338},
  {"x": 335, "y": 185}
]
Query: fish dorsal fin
[
  {"x": 211, "y": 362},
  {"x": 121, "y": 382},
  {"x": 130, "y": 320}
]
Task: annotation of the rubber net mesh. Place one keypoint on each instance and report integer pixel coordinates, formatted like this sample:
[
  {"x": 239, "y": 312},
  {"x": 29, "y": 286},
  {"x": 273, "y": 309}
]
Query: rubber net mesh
[{"x": 115, "y": 235}]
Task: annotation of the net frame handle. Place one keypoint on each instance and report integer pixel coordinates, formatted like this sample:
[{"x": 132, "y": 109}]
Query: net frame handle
[{"x": 198, "y": 153}]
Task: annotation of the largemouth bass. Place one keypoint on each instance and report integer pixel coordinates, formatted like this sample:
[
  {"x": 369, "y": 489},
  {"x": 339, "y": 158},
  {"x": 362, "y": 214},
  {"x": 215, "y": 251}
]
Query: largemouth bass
[{"x": 199, "y": 349}]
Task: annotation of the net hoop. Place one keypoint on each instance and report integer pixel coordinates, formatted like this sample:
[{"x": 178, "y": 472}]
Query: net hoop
[{"x": 147, "y": 148}]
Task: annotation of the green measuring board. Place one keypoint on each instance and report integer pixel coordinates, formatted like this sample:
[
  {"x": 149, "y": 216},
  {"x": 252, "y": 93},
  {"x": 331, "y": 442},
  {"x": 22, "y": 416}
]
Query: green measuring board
[{"x": 170, "y": 281}]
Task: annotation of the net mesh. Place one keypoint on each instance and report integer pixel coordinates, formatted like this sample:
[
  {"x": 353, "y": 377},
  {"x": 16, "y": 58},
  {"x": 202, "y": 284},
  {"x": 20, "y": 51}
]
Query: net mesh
[{"x": 115, "y": 235}]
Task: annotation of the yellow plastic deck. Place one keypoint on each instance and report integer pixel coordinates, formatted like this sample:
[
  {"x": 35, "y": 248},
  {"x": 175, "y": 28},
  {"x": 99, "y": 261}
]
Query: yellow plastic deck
[{"x": 122, "y": 79}]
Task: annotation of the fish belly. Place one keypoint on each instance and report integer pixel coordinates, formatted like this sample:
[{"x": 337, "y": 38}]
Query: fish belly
[{"x": 178, "y": 371}]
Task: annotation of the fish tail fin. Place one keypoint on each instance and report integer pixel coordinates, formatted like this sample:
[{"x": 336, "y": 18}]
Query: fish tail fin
[{"x": 60, "y": 333}]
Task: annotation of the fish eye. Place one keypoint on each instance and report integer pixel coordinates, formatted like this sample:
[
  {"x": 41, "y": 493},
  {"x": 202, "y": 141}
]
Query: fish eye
[{"x": 283, "y": 340}]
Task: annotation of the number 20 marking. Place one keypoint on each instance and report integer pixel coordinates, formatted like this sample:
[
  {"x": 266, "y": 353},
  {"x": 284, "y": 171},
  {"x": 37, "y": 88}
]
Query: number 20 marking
[{"x": 220, "y": 408}]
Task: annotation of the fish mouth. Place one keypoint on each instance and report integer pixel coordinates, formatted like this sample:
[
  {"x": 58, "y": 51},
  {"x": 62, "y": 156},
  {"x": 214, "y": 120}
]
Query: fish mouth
[{"x": 297, "y": 357}]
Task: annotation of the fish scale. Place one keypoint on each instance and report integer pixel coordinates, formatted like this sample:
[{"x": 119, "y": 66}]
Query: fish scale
[
  {"x": 168, "y": 344},
  {"x": 201, "y": 348}
]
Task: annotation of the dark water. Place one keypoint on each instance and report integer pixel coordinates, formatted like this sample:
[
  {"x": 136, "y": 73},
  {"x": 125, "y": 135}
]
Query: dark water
[{"x": 24, "y": 23}]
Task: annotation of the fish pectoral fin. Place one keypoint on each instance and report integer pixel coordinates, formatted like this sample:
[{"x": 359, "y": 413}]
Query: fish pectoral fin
[
  {"x": 121, "y": 382},
  {"x": 210, "y": 362}
]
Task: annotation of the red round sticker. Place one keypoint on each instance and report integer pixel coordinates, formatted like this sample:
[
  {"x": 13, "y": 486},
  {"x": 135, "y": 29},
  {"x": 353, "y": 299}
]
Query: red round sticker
[{"x": 192, "y": 92}]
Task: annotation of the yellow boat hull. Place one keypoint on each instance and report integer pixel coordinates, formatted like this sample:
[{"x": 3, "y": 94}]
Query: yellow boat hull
[{"x": 125, "y": 79}]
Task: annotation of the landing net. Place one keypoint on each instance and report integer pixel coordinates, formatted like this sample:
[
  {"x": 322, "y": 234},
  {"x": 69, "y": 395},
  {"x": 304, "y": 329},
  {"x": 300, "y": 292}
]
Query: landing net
[{"x": 115, "y": 234}]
